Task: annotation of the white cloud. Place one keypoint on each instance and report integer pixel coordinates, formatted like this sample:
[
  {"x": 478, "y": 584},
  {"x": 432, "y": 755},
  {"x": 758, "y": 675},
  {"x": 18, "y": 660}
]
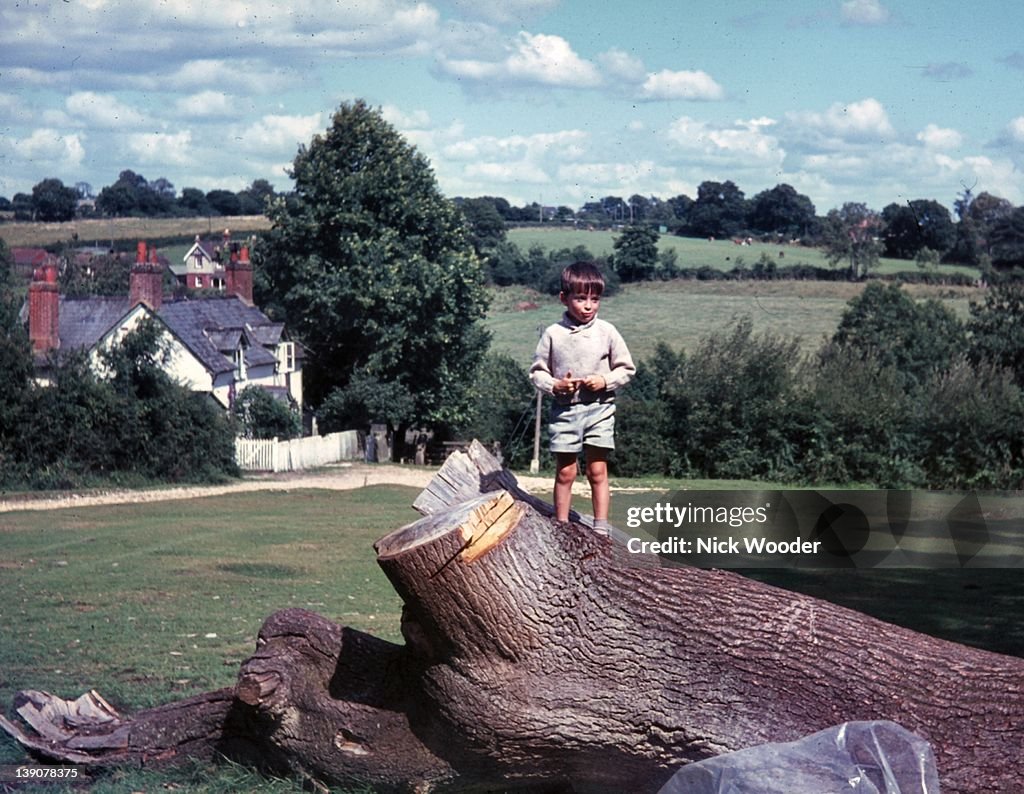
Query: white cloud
[
  {"x": 50, "y": 150},
  {"x": 589, "y": 181},
  {"x": 205, "y": 105},
  {"x": 560, "y": 145},
  {"x": 667, "y": 84},
  {"x": 744, "y": 143},
  {"x": 218, "y": 74},
  {"x": 279, "y": 134},
  {"x": 623, "y": 66},
  {"x": 504, "y": 11},
  {"x": 1000, "y": 177},
  {"x": 864, "y": 12},
  {"x": 416, "y": 120},
  {"x": 1015, "y": 130},
  {"x": 524, "y": 165},
  {"x": 550, "y": 60},
  {"x": 162, "y": 148},
  {"x": 530, "y": 59},
  {"x": 369, "y": 28},
  {"x": 935, "y": 137},
  {"x": 103, "y": 110},
  {"x": 855, "y": 121},
  {"x": 507, "y": 173}
]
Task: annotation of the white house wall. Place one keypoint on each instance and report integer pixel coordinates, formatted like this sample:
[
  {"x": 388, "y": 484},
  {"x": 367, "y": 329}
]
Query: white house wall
[{"x": 180, "y": 364}]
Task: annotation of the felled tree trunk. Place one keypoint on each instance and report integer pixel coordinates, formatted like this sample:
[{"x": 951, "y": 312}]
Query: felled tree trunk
[{"x": 536, "y": 657}]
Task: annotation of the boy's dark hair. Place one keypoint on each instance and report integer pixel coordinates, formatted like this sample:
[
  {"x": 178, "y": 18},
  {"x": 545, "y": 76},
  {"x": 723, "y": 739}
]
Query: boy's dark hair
[{"x": 582, "y": 278}]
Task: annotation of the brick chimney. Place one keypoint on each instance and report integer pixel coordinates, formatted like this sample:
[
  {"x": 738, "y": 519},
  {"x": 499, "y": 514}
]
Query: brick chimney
[
  {"x": 44, "y": 309},
  {"x": 238, "y": 276},
  {"x": 146, "y": 280}
]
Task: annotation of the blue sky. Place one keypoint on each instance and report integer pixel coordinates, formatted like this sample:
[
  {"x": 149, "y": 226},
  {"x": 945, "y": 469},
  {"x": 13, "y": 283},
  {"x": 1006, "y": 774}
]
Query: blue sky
[{"x": 557, "y": 101}]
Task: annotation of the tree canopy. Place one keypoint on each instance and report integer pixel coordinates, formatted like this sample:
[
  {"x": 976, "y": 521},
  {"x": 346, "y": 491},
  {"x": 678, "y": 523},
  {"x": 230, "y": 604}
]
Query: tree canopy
[
  {"x": 636, "y": 253},
  {"x": 918, "y": 224},
  {"x": 851, "y": 235},
  {"x": 719, "y": 211},
  {"x": 373, "y": 267},
  {"x": 781, "y": 210},
  {"x": 53, "y": 202},
  {"x": 918, "y": 339}
]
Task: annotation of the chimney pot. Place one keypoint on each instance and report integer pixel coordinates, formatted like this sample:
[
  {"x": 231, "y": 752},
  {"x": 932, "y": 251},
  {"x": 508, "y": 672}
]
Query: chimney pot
[
  {"x": 146, "y": 280},
  {"x": 140, "y": 252}
]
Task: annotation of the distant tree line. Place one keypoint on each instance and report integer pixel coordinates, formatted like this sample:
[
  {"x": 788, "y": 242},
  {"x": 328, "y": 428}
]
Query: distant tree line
[
  {"x": 132, "y": 195},
  {"x": 987, "y": 231},
  {"x": 904, "y": 394}
]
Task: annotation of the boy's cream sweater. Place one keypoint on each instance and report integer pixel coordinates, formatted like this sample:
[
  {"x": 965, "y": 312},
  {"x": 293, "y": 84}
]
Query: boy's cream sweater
[{"x": 592, "y": 349}]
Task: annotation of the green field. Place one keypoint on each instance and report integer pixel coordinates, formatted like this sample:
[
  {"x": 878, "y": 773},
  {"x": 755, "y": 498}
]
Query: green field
[
  {"x": 102, "y": 231},
  {"x": 681, "y": 312},
  {"x": 694, "y": 253}
]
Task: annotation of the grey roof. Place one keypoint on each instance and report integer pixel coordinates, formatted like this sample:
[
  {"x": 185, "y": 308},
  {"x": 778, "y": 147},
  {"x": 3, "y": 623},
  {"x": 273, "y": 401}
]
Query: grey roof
[
  {"x": 226, "y": 339},
  {"x": 267, "y": 334},
  {"x": 84, "y": 321},
  {"x": 208, "y": 327},
  {"x": 256, "y": 356},
  {"x": 198, "y": 322}
]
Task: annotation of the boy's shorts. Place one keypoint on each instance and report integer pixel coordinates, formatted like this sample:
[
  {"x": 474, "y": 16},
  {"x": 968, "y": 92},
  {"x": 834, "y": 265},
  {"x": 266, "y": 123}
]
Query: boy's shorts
[{"x": 572, "y": 426}]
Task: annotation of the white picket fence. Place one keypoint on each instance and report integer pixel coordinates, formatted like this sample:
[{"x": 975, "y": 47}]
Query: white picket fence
[{"x": 298, "y": 453}]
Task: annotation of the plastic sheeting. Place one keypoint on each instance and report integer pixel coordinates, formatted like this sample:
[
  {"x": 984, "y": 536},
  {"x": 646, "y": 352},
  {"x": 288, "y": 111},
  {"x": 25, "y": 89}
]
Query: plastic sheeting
[{"x": 877, "y": 757}]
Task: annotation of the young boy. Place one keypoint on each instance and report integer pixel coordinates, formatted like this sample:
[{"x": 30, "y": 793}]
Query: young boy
[{"x": 582, "y": 361}]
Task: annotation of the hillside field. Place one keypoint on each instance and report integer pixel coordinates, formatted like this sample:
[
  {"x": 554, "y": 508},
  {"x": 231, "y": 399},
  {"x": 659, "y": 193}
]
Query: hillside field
[
  {"x": 694, "y": 253},
  {"x": 681, "y": 312},
  {"x": 101, "y": 231}
]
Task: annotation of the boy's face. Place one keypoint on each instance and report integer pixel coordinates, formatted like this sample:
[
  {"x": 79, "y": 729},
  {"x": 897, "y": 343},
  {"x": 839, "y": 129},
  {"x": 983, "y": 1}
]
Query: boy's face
[{"x": 582, "y": 306}]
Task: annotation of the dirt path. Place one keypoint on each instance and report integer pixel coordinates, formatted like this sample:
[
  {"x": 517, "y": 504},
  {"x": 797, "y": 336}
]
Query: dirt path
[{"x": 340, "y": 477}]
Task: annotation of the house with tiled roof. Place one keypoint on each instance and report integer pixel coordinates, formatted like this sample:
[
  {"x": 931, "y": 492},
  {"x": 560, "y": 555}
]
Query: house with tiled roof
[
  {"x": 26, "y": 260},
  {"x": 216, "y": 345},
  {"x": 204, "y": 265}
]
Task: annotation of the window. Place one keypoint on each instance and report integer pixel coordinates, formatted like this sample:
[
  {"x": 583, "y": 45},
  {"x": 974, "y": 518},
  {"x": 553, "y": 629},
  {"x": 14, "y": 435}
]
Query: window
[{"x": 286, "y": 357}]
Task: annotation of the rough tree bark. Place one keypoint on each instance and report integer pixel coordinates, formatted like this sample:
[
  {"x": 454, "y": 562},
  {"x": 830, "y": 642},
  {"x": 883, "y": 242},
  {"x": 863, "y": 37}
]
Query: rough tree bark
[{"x": 537, "y": 658}]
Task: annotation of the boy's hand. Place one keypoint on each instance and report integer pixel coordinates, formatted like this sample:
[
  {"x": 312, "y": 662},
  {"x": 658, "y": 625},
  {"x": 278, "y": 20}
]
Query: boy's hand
[
  {"x": 594, "y": 382},
  {"x": 566, "y": 385}
]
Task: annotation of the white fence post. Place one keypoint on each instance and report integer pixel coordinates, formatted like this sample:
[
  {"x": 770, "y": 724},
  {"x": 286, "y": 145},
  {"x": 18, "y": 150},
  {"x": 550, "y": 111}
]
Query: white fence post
[{"x": 299, "y": 453}]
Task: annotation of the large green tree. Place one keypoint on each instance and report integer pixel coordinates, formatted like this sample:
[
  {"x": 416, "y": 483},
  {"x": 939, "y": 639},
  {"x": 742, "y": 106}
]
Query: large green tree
[
  {"x": 53, "y": 201},
  {"x": 373, "y": 267},
  {"x": 781, "y": 210},
  {"x": 851, "y": 235},
  {"x": 15, "y": 361},
  {"x": 486, "y": 226},
  {"x": 1007, "y": 240},
  {"x": 719, "y": 211},
  {"x": 922, "y": 223},
  {"x": 918, "y": 339},
  {"x": 996, "y": 327},
  {"x": 636, "y": 253}
]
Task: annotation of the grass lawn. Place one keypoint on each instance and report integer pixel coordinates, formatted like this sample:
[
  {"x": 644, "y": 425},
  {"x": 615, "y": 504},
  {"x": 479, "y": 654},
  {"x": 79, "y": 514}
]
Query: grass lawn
[
  {"x": 681, "y": 312},
  {"x": 695, "y": 252},
  {"x": 154, "y": 602},
  {"x": 151, "y": 603}
]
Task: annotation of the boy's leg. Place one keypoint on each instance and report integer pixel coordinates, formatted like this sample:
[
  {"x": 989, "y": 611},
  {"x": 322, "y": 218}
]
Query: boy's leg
[
  {"x": 597, "y": 474},
  {"x": 565, "y": 476}
]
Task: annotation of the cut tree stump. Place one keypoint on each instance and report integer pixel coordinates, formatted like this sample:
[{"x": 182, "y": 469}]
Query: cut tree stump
[{"x": 537, "y": 658}]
